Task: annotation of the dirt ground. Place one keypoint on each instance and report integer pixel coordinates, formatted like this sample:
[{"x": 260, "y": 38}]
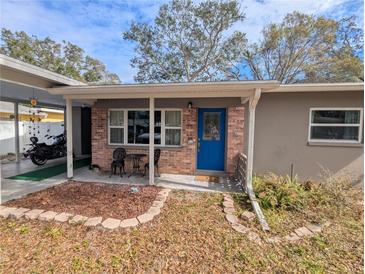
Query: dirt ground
[
  {"x": 190, "y": 235},
  {"x": 91, "y": 199}
]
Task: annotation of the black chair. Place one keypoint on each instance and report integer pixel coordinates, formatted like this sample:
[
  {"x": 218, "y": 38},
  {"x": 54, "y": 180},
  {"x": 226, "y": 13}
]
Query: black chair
[
  {"x": 119, "y": 155},
  {"x": 156, "y": 156}
]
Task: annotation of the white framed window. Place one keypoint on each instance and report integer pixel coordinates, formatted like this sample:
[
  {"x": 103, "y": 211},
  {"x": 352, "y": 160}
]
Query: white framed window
[
  {"x": 133, "y": 128},
  {"x": 336, "y": 125},
  {"x": 116, "y": 128}
]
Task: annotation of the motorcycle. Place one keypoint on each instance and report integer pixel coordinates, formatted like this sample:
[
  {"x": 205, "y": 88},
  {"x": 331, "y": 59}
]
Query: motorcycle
[{"x": 40, "y": 153}]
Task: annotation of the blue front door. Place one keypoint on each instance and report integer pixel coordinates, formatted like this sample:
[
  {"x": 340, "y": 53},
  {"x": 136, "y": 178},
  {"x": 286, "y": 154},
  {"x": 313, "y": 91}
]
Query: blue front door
[{"x": 211, "y": 138}]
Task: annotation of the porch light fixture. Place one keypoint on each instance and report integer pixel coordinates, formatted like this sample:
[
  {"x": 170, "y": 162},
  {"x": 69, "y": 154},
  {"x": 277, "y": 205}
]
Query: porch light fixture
[{"x": 190, "y": 105}]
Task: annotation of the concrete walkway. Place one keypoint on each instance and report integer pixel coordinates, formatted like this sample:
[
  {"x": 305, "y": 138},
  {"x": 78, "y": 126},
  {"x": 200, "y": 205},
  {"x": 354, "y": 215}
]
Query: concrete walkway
[
  {"x": 173, "y": 181},
  {"x": 12, "y": 189}
]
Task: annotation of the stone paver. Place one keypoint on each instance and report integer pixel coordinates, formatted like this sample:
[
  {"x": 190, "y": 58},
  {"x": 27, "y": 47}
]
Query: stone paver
[
  {"x": 93, "y": 222},
  {"x": 315, "y": 228},
  {"x": 78, "y": 219},
  {"x": 254, "y": 237},
  {"x": 153, "y": 211},
  {"x": 161, "y": 197},
  {"x": 5, "y": 211},
  {"x": 63, "y": 217},
  {"x": 144, "y": 218},
  {"x": 228, "y": 204},
  {"x": 165, "y": 191},
  {"x": 33, "y": 214},
  {"x": 229, "y": 210},
  {"x": 248, "y": 216},
  {"x": 111, "y": 223},
  {"x": 273, "y": 240},
  {"x": 303, "y": 231},
  {"x": 158, "y": 204},
  {"x": 232, "y": 218},
  {"x": 129, "y": 223},
  {"x": 18, "y": 213},
  {"x": 292, "y": 237},
  {"x": 47, "y": 216},
  {"x": 240, "y": 228}
]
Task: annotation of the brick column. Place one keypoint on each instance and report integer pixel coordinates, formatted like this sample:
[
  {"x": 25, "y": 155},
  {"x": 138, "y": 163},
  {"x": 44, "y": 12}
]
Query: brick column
[{"x": 235, "y": 136}]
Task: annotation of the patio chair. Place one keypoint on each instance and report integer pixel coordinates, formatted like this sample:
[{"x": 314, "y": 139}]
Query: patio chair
[
  {"x": 119, "y": 155},
  {"x": 157, "y": 154}
]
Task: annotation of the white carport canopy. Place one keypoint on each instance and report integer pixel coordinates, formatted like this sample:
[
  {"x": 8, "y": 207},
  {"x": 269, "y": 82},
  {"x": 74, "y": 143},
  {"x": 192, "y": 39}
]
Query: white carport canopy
[{"x": 19, "y": 82}]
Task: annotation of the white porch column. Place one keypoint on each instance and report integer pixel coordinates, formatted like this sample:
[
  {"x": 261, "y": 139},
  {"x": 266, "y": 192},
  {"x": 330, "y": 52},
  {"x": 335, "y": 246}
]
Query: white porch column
[
  {"x": 251, "y": 132},
  {"x": 16, "y": 127},
  {"x": 69, "y": 138},
  {"x": 251, "y": 140},
  {"x": 152, "y": 142}
]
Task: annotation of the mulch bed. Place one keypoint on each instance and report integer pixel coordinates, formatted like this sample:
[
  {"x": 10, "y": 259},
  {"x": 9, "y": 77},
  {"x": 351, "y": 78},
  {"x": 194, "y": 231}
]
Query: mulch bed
[{"x": 91, "y": 199}]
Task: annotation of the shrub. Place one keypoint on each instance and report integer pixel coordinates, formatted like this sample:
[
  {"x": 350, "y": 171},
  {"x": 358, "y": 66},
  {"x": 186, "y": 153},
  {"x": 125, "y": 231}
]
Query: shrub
[{"x": 279, "y": 192}]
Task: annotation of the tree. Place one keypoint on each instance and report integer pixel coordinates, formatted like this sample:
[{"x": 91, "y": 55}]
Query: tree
[
  {"x": 305, "y": 48},
  {"x": 64, "y": 58},
  {"x": 188, "y": 42}
]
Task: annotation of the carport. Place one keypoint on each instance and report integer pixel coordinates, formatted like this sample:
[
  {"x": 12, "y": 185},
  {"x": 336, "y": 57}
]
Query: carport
[{"x": 20, "y": 82}]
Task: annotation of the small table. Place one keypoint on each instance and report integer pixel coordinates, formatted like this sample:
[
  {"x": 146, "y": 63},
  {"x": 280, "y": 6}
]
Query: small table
[{"x": 136, "y": 158}]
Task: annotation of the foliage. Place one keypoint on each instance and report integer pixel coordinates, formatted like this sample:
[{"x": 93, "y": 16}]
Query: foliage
[
  {"x": 188, "y": 42},
  {"x": 281, "y": 192},
  {"x": 190, "y": 235},
  {"x": 64, "y": 58},
  {"x": 306, "y": 48}
]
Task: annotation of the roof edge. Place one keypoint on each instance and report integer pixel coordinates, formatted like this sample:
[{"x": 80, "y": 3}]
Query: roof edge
[
  {"x": 315, "y": 87},
  {"x": 15, "y": 64}
]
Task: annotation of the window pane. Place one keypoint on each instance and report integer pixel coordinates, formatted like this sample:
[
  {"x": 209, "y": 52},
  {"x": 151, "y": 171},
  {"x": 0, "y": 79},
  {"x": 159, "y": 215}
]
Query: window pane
[
  {"x": 211, "y": 126},
  {"x": 116, "y": 118},
  {"x": 173, "y": 137},
  {"x": 335, "y": 133},
  {"x": 116, "y": 135},
  {"x": 138, "y": 127},
  {"x": 336, "y": 116},
  {"x": 173, "y": 118}
]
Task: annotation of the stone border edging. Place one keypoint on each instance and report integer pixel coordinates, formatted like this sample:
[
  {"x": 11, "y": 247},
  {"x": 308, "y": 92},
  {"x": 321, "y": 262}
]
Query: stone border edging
[
  {"x": 304, "y": 231},
  {"x": 96, "y": 222}
]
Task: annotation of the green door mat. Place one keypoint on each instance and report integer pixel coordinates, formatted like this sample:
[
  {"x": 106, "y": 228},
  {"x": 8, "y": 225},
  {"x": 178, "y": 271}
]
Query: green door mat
[{"x": 47, "y": 172}]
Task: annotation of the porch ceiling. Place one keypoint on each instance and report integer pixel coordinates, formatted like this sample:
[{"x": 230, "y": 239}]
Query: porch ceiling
[{"x": 167, "y": 90}]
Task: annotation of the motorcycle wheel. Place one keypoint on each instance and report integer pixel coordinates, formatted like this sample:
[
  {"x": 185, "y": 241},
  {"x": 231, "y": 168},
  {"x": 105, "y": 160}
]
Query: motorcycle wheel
[{"x": 39, "y": 161}]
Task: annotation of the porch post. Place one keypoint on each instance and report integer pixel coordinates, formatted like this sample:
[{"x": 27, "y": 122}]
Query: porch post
[
  {"x": 152, "y": 142},
  {"x": 251, "y": 137},
  {"x": 69, "y": 138},
  {"x": 16, "y": 127},
  {"x": 251, "y": 132}
]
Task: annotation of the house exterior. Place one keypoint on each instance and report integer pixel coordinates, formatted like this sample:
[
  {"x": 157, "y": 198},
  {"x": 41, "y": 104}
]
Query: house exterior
[{"x": 303, "y": 129}]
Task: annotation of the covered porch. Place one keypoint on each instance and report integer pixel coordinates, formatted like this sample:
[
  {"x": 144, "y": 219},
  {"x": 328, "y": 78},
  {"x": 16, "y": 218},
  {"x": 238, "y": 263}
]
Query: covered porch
[{"x": 191, "y": 97}]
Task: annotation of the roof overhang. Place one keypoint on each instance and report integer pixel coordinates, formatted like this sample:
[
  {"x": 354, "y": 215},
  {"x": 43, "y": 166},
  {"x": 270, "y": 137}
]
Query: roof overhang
[
  {"x": 166, "y": 90},
  {"x": 320, "y": 87},
  {"x": 15, "y": 71}
]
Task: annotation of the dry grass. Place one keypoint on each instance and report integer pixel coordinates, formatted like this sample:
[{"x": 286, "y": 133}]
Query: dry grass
[{"x": 190, "y": 236}]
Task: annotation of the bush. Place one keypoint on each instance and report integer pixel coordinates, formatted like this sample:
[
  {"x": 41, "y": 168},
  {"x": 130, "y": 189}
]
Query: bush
[
  {"x": 279, "y": 192},
  {"x": 275, "y": 191}
]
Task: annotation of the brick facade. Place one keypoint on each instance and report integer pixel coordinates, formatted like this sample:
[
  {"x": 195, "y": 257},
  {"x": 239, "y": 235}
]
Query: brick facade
[
  {"x": 181, "y": 160},
  {"x": 235, "y": 138}
]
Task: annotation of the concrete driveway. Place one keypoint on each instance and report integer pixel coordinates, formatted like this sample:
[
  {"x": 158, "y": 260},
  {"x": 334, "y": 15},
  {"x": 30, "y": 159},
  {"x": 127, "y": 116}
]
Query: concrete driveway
[{"x": 12, "y": 189}]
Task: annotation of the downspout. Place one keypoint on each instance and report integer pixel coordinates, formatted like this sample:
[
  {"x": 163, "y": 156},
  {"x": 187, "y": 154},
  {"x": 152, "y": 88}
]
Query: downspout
[{"x": 251, "y": 137}]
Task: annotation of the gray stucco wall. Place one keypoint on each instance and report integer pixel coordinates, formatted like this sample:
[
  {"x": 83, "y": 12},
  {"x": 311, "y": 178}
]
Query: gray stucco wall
[{"x": 281, "y": 134}]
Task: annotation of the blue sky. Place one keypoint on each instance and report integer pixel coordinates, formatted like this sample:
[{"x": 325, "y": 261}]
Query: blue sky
[{"x": 97, "y": 26}]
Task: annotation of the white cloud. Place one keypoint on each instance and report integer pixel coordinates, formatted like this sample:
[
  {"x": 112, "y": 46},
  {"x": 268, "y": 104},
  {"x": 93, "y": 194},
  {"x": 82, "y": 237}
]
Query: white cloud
[{"x": 97, "y": 26}]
